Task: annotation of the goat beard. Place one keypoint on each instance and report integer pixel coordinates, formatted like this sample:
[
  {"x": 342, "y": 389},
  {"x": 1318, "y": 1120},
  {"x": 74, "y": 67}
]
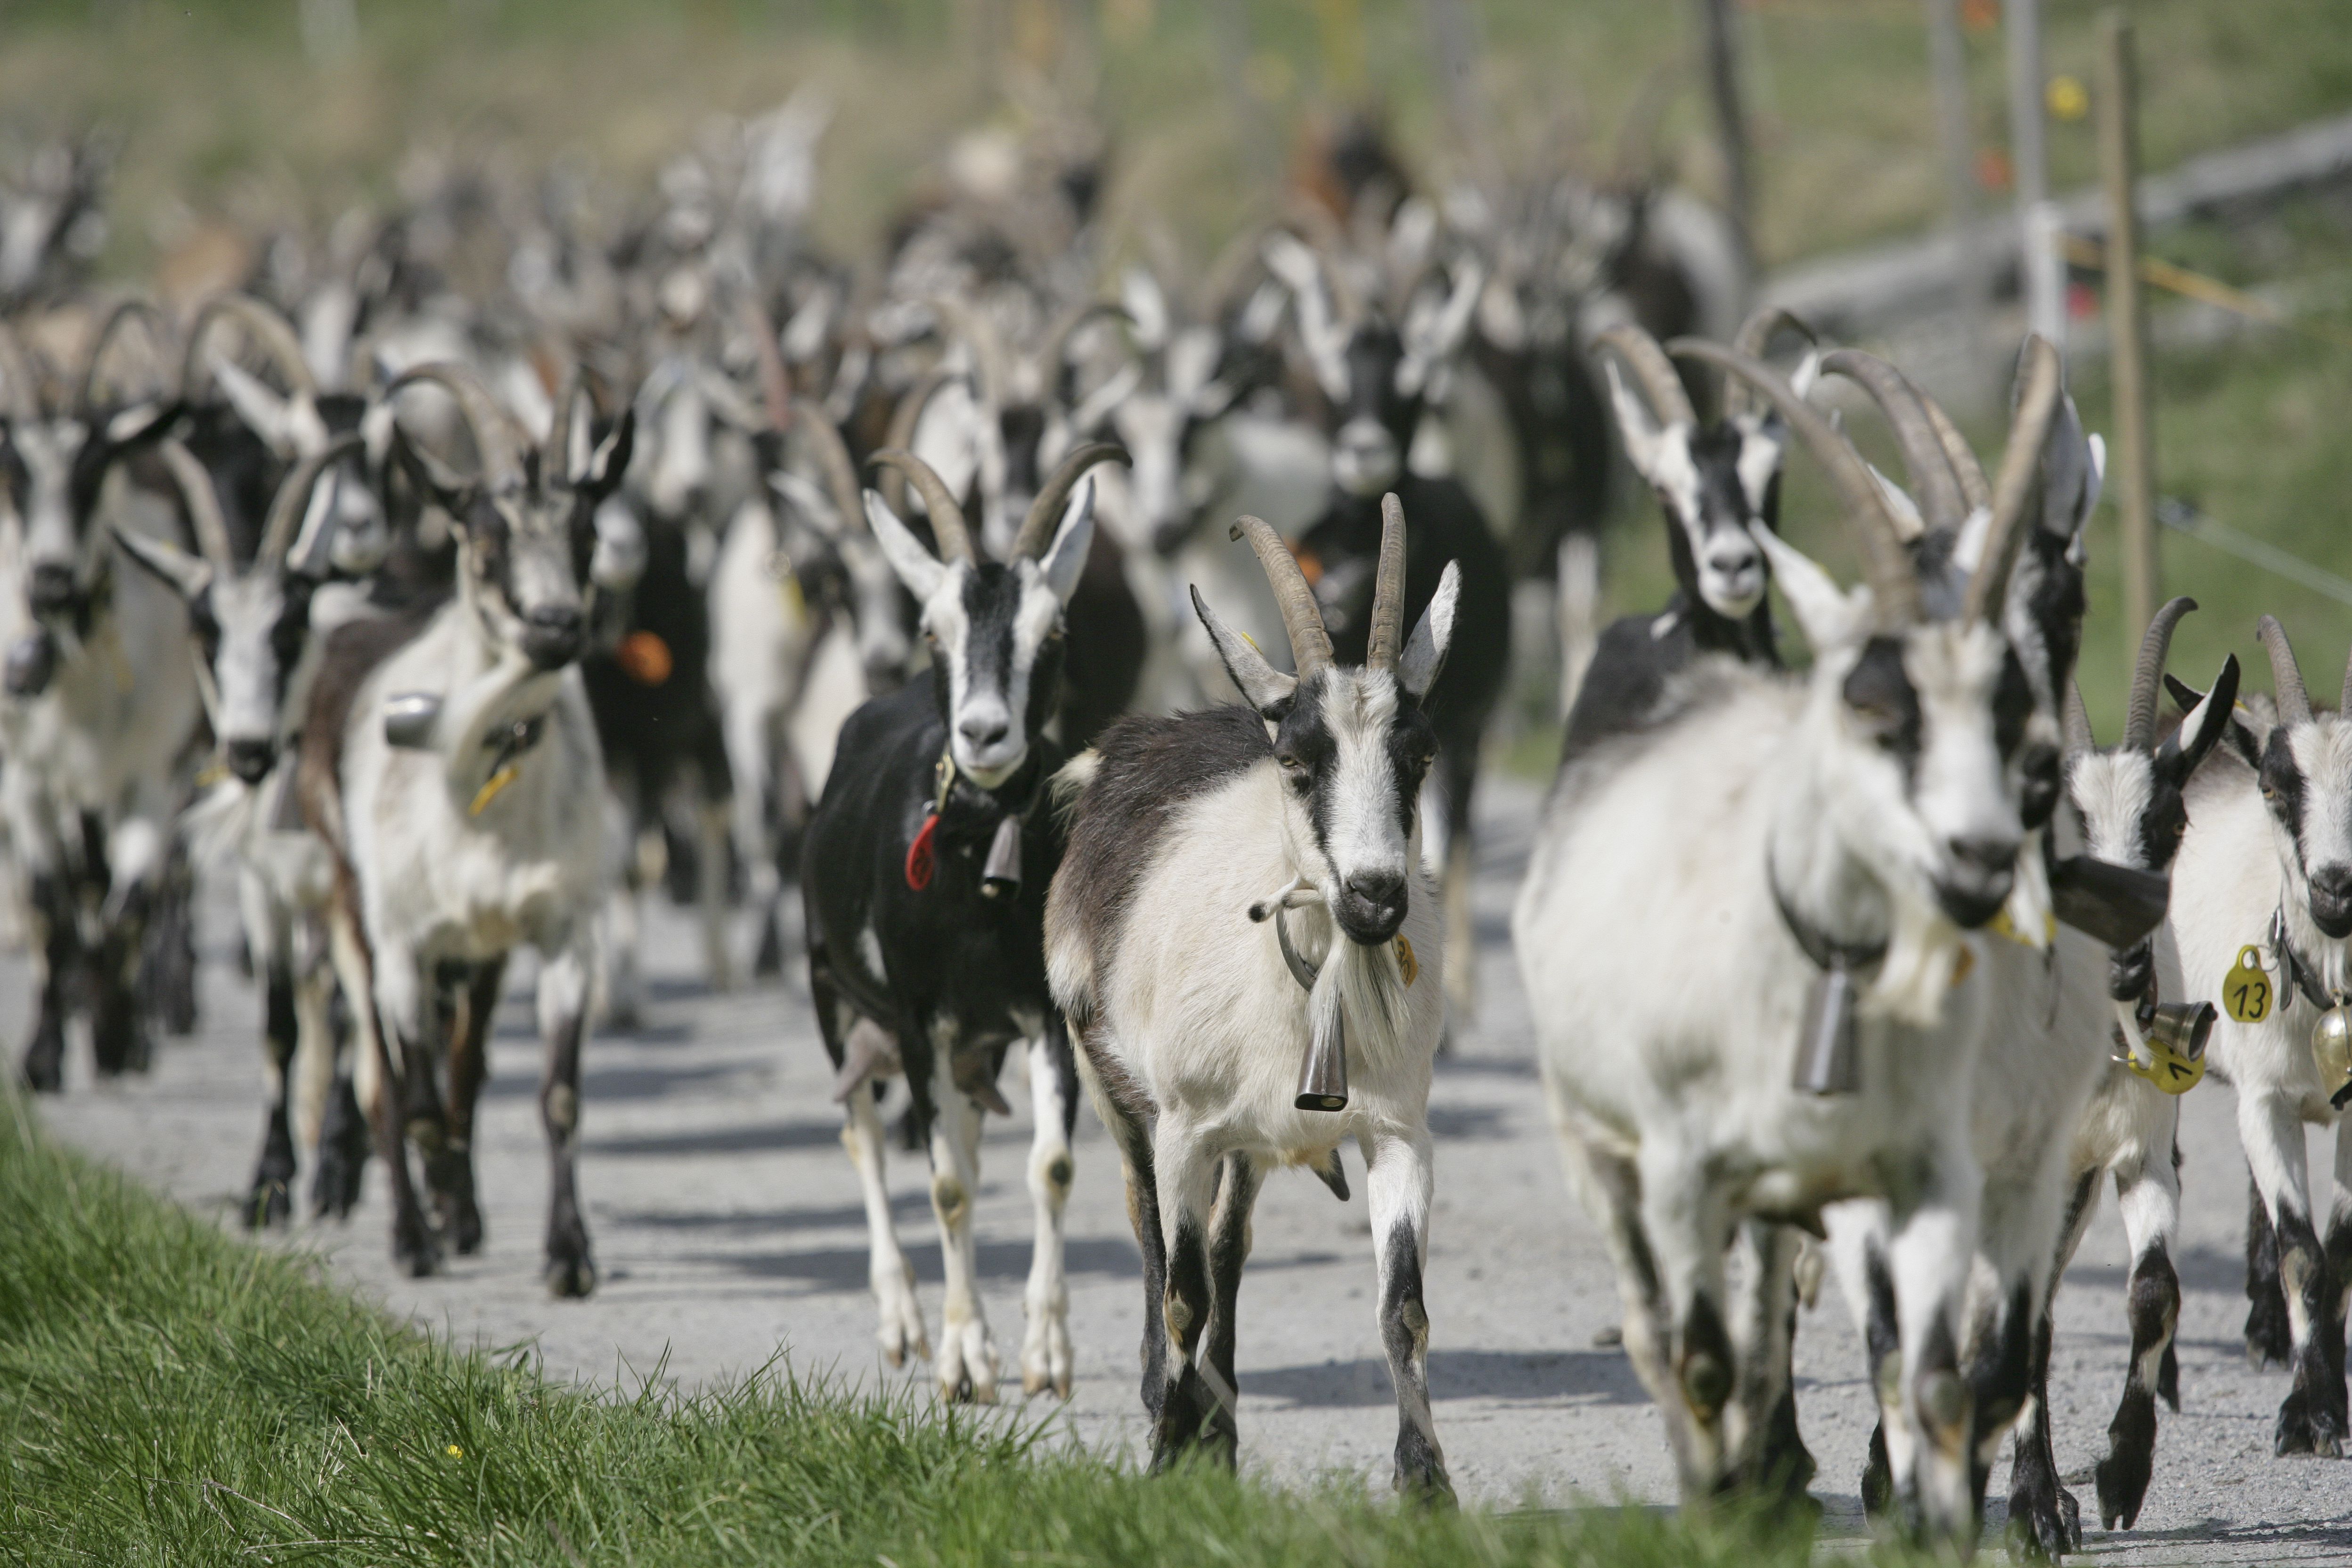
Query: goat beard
[{"x": 1366, "y": 985}]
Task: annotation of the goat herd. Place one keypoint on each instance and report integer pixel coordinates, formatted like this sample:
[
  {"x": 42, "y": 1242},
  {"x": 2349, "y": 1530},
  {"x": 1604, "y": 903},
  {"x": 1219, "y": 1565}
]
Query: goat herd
[{"x": 468, "y": 572}]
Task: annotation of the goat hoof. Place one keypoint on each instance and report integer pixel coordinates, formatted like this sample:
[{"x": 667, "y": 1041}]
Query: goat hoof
[
  {"x": 2301, "y": 1430},
  {"x": 417, "y": 1256},
  {"x": 43, "y": 1071},
  {"x": 1046, "y": 1356},
  {"x": 967, "y": 1363},
  {"x": 571, "y": 1279},
  {"x": 2122, "y": 1478},
  {"x": 269, "y": 1205}
]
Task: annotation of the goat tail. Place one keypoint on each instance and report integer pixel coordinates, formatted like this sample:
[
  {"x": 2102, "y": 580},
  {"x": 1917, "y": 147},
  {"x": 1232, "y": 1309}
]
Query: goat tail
[{"x": 1069, "y": 785}]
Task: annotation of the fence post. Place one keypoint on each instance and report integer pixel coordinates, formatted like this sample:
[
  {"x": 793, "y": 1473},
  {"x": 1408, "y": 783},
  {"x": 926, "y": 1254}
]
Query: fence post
[
  {"x": 2042, "y": 281},
  {"x": 2132, "y": 470}
]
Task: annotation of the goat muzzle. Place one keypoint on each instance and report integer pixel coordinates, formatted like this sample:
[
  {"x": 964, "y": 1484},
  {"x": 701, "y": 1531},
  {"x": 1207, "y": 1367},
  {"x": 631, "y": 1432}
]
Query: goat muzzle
[
  {"x": 553, "y": 636},
  {"x": 32, "y": 662}
]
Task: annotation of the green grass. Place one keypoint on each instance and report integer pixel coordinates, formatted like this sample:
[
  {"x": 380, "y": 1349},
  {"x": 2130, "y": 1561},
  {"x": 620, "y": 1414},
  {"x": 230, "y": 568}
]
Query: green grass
[{"x": 171, "y": 1394}]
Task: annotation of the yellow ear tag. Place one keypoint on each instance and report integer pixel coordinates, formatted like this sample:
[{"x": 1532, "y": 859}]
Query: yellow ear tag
[
  {"x": 2001, "y": 925},
  {"x": 2171, "y": 1071},
  {"x": 491, "y": 788},
  {"x": 2246, "y": 990},
  {"x": 1406, "y": 961}
]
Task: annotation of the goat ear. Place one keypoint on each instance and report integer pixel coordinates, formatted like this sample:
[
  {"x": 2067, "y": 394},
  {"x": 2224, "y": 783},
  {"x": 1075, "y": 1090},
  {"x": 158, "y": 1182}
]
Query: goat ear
[
  {"x": 917, "y": 567},
  {"x": 1067, "y": 557},
  {"x": 2242, "y": 737},
  {"x": 184, "y": 573},
  {"x": 1643, "y": 436},
  {"x": 1827, "y": 613},
  {"x": 1802, "y": 379},
  {"x": 1264, "y": 688},
  {"x": 2185, "y": 749},
  {"x": 263, "y": 412},
  {"x": 610, "y": 459},
  {"x": 1424, "y": 651},
  {"x": 1906, "y": 512},
  {"x": 138, "y": 425}
]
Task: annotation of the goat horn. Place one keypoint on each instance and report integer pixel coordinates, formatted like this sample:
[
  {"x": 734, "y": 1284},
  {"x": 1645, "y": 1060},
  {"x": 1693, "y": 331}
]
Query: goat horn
[
  {"x": 495, "y": 436},
  {"x": 1754, "y": 336},
  {"x": 1302, "y": 619},
  {"x": 123, "y": 312},
  {"x": 2021, "y": 476},
  {"x": 947, "y": 518},
  {"x": 902, "y": 432},
  {"x": 1925, "y": 458},
  {"x": 2293, "y": 703},
  {"x": 1387, "y": 636},
  {"x": 203, "y": 506},
  {"x": 269, "y": 331},
  {"x": 1046, "y": 513},
  {"x": 23, "y": 391},
  {"x": 1057, "y": 336},
  {"x": 555, "y": 454},
  {"x": 1974, "y": 489},
  {"x": 2147, "y": 675},
  {"x": 832, "y": 457},
  {"x": 776, "y": 381},
  {"x": 1886, "y": 564},
  {"x": 1654, "y": 370},
  {"x": 2080, "y": 740},
  {"x": 293, "y": 498}
]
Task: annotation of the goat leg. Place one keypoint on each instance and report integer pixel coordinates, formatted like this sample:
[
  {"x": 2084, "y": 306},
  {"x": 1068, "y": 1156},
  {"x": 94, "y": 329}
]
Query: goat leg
[{"x": 571, "y": 1269}]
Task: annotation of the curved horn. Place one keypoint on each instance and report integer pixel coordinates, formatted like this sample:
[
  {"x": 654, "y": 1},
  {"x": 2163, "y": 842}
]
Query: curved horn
[
  {"x": 1667, "y": 397},
  {"x": 831, "y": 457},
  {"x": 900, "y": 436},
  {"x": 123, "y": 310},
  {"x": 947, "y": 518},
  {"x": 1754, "y": 336},
  {"x": 1046, "y": 513},
  {"x": 1302, "y": 619},
  {"x": 2147, "y": 675},
  {"x": 2080, "y": 740},
  {"x": 495, "y": 436},
  {"x": 1886, "y": 564},
  {"x": 555, "y": 453},
  {"x": 1974, "y": 489},
  {"x": 1924, "y": 459},
  {"x": 2293, "y": 703},
  {"x": 1057, "y": 336},
  {"x": 776, "y": 381},
  {"x": 1387, "y": 637},
  {"x": 2021, "y": 479},
  {"x": 293, "y": 500},
  {"x": 23, "y": 388},
  {"x": 203, "y": 506},
  {"x": 268, "y": 329}
]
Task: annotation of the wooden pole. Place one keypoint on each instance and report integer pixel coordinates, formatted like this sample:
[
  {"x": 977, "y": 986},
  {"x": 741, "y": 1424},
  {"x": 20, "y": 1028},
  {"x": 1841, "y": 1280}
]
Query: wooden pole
[
  {"x": 2042, "y": 281},
  {"x": 1731, "y": 126},
  {"x": 1947, "y": 68},
  {"x": 2132, "y": 471}
]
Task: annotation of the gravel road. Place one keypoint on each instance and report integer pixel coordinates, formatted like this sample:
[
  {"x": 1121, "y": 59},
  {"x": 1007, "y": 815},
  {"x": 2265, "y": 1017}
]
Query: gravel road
[{"x": 728, "y": 1225}]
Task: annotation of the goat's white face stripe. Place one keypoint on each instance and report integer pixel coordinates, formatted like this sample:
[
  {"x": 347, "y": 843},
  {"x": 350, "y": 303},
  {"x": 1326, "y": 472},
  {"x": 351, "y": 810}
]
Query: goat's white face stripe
[
  {"x": 988, "y": 668},
  {"x": 1760, "y": 458},
  {"x": 2113, "y": 790},
  {"x": 1362, "y": 832},
  {"x": 246, "y": 667},
  {"x": 2323, "y": 754}
]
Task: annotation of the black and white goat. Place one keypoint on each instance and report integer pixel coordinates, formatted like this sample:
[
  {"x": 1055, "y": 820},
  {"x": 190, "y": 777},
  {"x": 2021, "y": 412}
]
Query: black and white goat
[
  {"x": 1302, "y": 807},
  {"x": 2262, "y": 916},
  {"x": 2129, "y": 803},
  {"x": 99, "y": 716},
  {"x": 1846, "y": 834},
  {"x": 1713, "y": 482},
  {"x": 450, "y": 762},
  {"x": 923, "y": 882},
  {"x": 252, "y": 626},
  {"x": 1376, "y": 379}
]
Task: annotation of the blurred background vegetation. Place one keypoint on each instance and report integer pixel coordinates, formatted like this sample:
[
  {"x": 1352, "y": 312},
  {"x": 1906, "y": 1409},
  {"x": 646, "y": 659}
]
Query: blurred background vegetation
[{"x": 266, "y": 110}]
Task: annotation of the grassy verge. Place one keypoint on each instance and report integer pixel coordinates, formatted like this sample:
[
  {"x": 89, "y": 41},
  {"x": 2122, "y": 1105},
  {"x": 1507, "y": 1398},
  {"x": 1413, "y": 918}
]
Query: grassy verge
[{"x": 169, "y": 1395}]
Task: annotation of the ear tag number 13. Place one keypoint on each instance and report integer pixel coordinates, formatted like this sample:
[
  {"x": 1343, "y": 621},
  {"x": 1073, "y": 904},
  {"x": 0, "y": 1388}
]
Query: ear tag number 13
[{"x": 2246, "y": 990}]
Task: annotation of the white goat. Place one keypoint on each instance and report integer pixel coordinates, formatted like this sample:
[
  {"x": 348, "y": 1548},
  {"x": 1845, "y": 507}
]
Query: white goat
[{"x": 1300, "y": 807}]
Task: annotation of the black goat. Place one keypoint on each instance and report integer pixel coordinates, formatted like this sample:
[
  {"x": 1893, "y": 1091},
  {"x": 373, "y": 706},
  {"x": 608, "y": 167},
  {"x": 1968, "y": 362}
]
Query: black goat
[{"x": 923, "y": 879}]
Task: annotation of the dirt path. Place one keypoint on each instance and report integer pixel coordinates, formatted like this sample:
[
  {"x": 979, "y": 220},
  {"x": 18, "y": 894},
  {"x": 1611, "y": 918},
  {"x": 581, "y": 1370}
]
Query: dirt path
[{"x": 728, "y": 1225}]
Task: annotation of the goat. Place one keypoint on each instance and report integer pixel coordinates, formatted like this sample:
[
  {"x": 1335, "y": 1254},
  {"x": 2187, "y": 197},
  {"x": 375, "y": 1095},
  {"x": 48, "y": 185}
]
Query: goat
[
  {"x": 923, "y": 882},
  {"x": 252, "y": 626},
  {"x": 1713, "y": 481},
  {"x": 449, "y": 761},
  {"x": 1376, "y": 379},
  {"x": 2129, "y": 801},
  {"x": 1866, "y": 819},
  {"x": 1192, "y": 1036},
  {"x": 2262, "y": 916},
  {"x": 99, "y": 716}
]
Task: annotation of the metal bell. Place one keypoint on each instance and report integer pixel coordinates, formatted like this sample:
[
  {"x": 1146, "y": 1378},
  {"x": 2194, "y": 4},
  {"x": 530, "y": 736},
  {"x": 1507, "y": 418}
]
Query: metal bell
[
  {"x": 409, "y": 718},
  {"x": 2176, "y": 1034},
  {"x": 1323, "y": 1074},
  {"x": 2331, "y": 1042},
  {"x": 1829, "y": 1046},
  {"x": 1000, "y": 875}
]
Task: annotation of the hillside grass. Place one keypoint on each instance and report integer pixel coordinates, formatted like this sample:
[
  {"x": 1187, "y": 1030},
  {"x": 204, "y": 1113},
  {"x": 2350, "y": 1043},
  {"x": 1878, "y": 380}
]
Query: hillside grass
[{"x": 170, "y": 1394}]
